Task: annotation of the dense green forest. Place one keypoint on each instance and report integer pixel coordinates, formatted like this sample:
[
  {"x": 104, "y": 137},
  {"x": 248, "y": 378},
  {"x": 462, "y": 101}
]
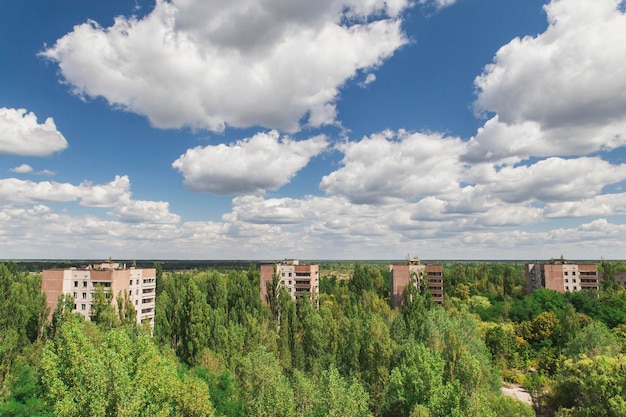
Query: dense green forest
[{"x": 217, "y": 350}]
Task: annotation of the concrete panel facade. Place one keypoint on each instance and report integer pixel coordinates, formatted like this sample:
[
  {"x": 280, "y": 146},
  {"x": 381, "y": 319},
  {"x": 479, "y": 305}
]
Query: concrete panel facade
[
  {"x": 562, "y": 276},
  {"x": 115, "y": 279},
  {"x": 400, "y": 275},
  {"x": 298, "y": 280}
]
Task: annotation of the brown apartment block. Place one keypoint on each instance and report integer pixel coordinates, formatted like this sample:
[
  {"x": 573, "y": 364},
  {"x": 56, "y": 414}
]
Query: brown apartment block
[
  {"x": 139, "y": 283},
  {"x": 562, "y": 276},
  {"x": 400, "y": 276},
  {"x": 298, "y": 280}
]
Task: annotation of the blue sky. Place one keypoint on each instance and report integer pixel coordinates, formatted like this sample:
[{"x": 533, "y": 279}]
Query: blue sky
[{"x": 338, "y": 129}]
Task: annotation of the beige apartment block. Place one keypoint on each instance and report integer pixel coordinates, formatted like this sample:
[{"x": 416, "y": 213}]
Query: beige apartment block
[
  {"x": 562, "y": 276},
  {"x": 114, "y": 278},
  {"x": 401, "y": 274},
  {"x": 298, "y": 279}
]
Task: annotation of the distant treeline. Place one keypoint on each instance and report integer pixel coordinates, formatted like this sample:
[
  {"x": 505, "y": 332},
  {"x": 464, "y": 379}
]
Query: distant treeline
[{"x": 37, "y": 265}]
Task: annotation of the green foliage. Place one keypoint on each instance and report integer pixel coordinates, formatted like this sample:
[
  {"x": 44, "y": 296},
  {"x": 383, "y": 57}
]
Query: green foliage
[
  {"x": 314, "y": 337},
  {"x": 594, "y": 340},
  {"x": 608, "y": 307},
  {"x": 23, "y": 312},
  {"x": 331, "y": 395},
  {"x": 125, "y": 309},
  {"x": 534, "y": 384},
  {"x": 342, "y": 398},
  {"x": 223, "y": 391},
  {"x": 102, "y": 311},
  {"x": 376, "y": 354},
  {"x": 500, "y": 281},
  {"x": 195, "y": 313},
  {"x": 462, "y": 347},
  {"x": 608, "y": 271},
  {"x": 417, "y": 303},
  {"x": 360, "y": 281},
  {"x": 620, "y": 335},
  {"x": 611, "y": 309},
  {"x": 273, "y": 290},
  {"x": 546, "y": 330},
  {"x": 500, "y": 343},
  {"x": 539, "y": 301},
  {"x": 266, "y": 392},
  {"x": 591, "y": 387},
  {"x": 416, "y": 378},
  {"x": 209, "y": 310},
  {"x": 570, "y": 324},
  {"x": 117, "y": 373},
  {"x": 509, "y": 407},
  {"x": 159, "y": 277},
  {"x": 352, "y": 356},
  {"x": 25, "y": 399}
]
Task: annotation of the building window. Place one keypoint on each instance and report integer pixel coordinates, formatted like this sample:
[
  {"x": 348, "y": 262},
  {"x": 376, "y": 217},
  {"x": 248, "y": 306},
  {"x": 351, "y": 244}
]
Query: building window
[
  {"x": 290, "y": 274},
  {"x": 566, "y": 280},
  {"x": 74, "y": 294},
  {"x": 82, "y": 307},
  {"x": 567, "y": 288},
  {"x": 76, "y": 283},
  {"x": 84, "y": 284},
  {"x": 136, "y": 302},
  {"x": 289, "y": 282},
  {"x": 84, "y": 295},
  {"x": 283, "y": 274},
  {"x": 131, "y": 282},
  {"x": 565, "y": 273},
  {"x": 573, "y": 272}
]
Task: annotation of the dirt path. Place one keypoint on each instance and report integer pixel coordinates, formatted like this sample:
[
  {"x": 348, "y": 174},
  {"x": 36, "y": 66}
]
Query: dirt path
[{"x": 517, "y": 392}]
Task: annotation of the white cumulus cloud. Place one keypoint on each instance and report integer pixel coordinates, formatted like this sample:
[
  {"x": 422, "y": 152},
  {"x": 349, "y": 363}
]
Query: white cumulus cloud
[
  {"x": 46, "y": 173},
  {"x": 600, "y": 205},
  {"x": 208, "y": 64},
  {"x": 115, "y": 194},
  {"x": 439, "y": 4},
  {"x": 560, "y": 92},
  {"x": 17, "y": 191},
  {"x": 138, "y": 211},
  {"x": 22, "y": 169},
  {"x": 250, "y": 166},
  {"x": 368, "y": 80},
  {"x": 550, "y": 180},
  {"x": 390, "y": 167},
  {"x": 20, "y": 134}
]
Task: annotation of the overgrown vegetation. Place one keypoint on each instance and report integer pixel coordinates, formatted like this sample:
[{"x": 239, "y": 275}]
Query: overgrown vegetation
[{"x": 218, "y": 350}]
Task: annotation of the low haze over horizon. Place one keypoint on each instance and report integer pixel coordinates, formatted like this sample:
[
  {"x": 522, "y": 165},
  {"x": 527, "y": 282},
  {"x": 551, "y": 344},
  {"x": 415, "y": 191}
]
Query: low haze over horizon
[{"x": 352, "y": 129}]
